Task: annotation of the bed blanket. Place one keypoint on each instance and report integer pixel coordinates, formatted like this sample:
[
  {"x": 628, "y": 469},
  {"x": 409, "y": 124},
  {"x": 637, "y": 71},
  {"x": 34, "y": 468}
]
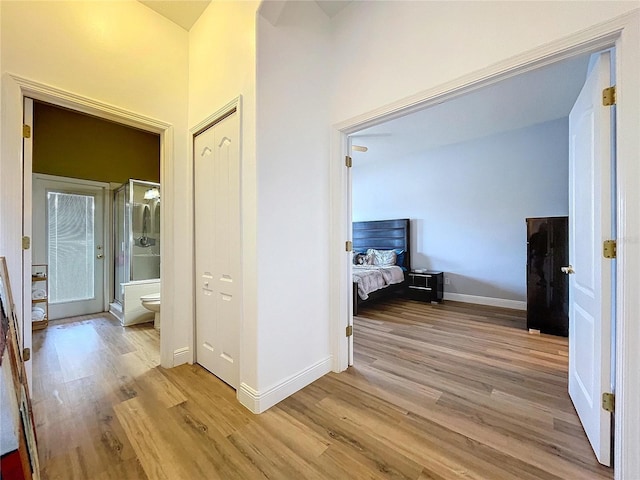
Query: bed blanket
[{"x": 371, "y": 278}]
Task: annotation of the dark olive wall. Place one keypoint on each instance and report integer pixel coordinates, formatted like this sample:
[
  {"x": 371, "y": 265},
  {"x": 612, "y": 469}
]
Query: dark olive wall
[{"x": 71, "y": 144}]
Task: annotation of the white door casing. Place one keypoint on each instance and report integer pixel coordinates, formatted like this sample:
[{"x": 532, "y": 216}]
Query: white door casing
[
  {"x": 216, "y": 157},
  {"x": 590, "y": 167}
]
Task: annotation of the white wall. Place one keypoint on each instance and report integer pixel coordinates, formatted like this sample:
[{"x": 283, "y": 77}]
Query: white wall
[
  {"x": 385, "y": 51},
  {"x": 123, "y": 54},
  {"x": 285, "y": 128},
  {"x": 293, "y": 194},
  {"x": 222, "y": 66},
  {"x": 468, "y": 201},
  {"x": 2, "y": 246}
]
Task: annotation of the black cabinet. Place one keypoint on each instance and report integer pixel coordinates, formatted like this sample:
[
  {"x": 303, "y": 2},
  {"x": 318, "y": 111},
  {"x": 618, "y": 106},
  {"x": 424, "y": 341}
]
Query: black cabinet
[
  {"x": 426, "y": 286},
  {"x": 547, "y": 286}
]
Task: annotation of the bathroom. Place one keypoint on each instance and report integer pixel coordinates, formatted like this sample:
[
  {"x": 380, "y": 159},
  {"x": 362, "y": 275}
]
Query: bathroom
[
  {"x": 96, "y": 217},
  {"x": 136, "y": 214}
]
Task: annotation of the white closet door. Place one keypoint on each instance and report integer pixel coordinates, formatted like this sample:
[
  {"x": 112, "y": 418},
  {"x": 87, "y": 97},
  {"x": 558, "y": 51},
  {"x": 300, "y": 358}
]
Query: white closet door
[{"x": 217, "y": 248}]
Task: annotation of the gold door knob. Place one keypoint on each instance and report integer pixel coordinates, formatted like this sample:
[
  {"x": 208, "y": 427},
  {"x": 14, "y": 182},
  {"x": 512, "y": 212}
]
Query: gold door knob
[{"x": 568, "y": 270}]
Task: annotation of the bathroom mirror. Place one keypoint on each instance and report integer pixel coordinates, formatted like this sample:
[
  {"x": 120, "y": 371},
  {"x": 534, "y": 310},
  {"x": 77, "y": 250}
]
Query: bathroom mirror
[{"x": 18, "y": 450}]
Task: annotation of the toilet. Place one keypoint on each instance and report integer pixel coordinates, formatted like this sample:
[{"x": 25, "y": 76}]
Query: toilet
[{"x": 152, "y": 302}]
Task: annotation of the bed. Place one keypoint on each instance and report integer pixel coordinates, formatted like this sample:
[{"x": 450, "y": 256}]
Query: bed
[{"x": 380, "y": 236}]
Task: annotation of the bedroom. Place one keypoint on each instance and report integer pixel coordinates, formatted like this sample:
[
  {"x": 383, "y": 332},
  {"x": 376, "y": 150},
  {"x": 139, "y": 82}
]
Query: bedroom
[
  {"x": 467, "y": 173},
  {"x": 467, "y": 188}
]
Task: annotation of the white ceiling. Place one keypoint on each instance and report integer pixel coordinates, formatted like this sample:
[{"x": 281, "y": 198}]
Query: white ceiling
[
  {"x": 527, "y": 99},
  {"x": 332, "y": 7},
  {"x": 182, "y": 12},
  {"x": 186, "y": 12}
]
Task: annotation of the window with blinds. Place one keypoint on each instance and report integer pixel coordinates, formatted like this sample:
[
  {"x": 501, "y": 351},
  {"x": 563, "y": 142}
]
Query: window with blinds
[{"x": 71, "y": 246}]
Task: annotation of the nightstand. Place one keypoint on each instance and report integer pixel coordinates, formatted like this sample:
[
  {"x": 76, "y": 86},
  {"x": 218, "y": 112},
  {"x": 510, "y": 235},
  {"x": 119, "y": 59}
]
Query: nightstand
[{"x": 426, "y": 286}]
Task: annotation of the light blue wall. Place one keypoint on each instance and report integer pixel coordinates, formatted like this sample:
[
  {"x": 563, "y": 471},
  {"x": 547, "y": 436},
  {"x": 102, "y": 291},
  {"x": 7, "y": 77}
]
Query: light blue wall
[{"x": 468, "y": 203}]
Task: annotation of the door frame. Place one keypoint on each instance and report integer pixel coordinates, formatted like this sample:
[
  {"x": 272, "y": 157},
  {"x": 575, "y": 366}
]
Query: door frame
[
  {"x": 234, "y": 106},
  {"x": 14, "y": 90},
  {"x": 623, "y": 33},
  {"x": 107, "y": 221}
]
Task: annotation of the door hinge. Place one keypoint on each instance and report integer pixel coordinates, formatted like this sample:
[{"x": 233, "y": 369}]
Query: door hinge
[
  {"x": 26, "y": 131},
  {"x": 609, "y": 96},
  {"x": 26, "y": 243},
  {"x": 349, "y": 330},
  {"x": 609, "y": 402},
  {"x": 348, "y": 245},
  {"x": 26, "y": 354},
  {"x": 609, "y": 249},
  {"x": 348, "y": 161}
]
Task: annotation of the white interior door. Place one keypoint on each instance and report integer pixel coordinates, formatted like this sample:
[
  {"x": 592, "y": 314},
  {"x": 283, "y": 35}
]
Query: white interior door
[
  {"x": 27, "y": 226},
  {"x": 68, "y": 219},
  {"x": 590, "y": 166},
  {"x": 217, "y": 248},
  {"x": 350, "y": 254}
]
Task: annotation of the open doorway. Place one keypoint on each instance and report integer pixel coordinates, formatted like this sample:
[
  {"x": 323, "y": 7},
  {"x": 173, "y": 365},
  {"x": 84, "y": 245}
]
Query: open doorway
[
  {"x": 502, "y": 178},
  {"x": 354, "y": 129},
  {"x": 19, "y": 216},
  {"x": 80, "y": 163}
]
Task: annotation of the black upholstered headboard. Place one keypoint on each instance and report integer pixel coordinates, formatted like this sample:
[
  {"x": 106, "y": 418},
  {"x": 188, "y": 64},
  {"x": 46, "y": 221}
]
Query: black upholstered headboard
[{"x": 383, "y": 235}]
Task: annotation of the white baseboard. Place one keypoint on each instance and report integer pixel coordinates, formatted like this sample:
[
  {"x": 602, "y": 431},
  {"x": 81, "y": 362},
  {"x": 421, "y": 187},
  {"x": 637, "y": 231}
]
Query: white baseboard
[
  {"x": 494, "y": 302},
  {"x": 181, "y": 355},
  {"x": 259, "y": 402}
]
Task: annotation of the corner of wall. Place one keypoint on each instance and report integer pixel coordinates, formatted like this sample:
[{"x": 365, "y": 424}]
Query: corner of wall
[{"x": 260, "y": 401}]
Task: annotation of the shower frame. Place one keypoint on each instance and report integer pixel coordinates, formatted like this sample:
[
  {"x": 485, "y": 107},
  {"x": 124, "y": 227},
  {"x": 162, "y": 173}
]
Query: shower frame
[{"x": 128, "y": 188}]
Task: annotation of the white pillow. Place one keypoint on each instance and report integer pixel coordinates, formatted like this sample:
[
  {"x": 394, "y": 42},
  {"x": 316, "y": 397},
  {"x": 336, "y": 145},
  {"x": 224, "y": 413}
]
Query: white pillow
[{"x": 382, "y": 258}]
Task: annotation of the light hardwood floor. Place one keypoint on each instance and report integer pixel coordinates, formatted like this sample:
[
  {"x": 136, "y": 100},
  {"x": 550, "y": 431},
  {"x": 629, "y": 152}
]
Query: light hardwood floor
[{"x": 438, "y": 392}]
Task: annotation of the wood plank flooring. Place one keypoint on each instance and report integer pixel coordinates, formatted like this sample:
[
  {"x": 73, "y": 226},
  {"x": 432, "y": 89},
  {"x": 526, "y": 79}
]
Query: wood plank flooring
[{"x": 438, "y": 392}]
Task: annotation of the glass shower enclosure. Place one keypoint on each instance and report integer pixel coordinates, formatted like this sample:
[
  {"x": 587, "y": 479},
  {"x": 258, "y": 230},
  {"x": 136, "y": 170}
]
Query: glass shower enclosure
[{"x": 137, "y": 233}]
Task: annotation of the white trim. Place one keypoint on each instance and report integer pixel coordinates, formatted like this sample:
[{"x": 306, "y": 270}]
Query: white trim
[
  {"x": 70, "y": 180},
  {"x": 181, "y": 355},
  {"x": 142, "y": 282},
  {"x": 215, "y": 117},
  {"x": 622, "y": 32},
  {"x": 493, "y": 302},
  {"x": 596, "y": 38},
  {"x": 627, "y": 412},
  {"x": 63, "y": 98},
  {"x": 260, "y": 401},
  {"x": 15, "y": 88}
]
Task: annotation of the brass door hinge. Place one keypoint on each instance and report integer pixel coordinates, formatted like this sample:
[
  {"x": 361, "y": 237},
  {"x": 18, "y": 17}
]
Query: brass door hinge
[
  {"x": 26, "y": 131},
  {"x": 609, "y": 96},
  {"x": 609, "y": 402},
  {"x": 26, "y": 354},
  {"x": 348, "y": 161},
  {"x": 609, "y": 249},
  {"x": 348, "y": 245},
  {"x": 349, "y": 330},
  {"x": 26, "y": 243}
]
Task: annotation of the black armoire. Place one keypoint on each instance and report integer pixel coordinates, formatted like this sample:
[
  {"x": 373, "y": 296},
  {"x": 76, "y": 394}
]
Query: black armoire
[{"x": 547, "y": 286}]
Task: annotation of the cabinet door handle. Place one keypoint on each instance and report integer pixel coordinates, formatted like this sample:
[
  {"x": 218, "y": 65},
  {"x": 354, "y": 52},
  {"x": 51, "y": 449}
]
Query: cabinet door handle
[{"x": 568, "y": 270}]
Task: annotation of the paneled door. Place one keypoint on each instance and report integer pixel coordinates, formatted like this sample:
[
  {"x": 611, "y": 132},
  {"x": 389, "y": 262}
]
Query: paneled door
[
  {"x": 216, "y": 157},
  {"x": 590, "y": 281}
]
